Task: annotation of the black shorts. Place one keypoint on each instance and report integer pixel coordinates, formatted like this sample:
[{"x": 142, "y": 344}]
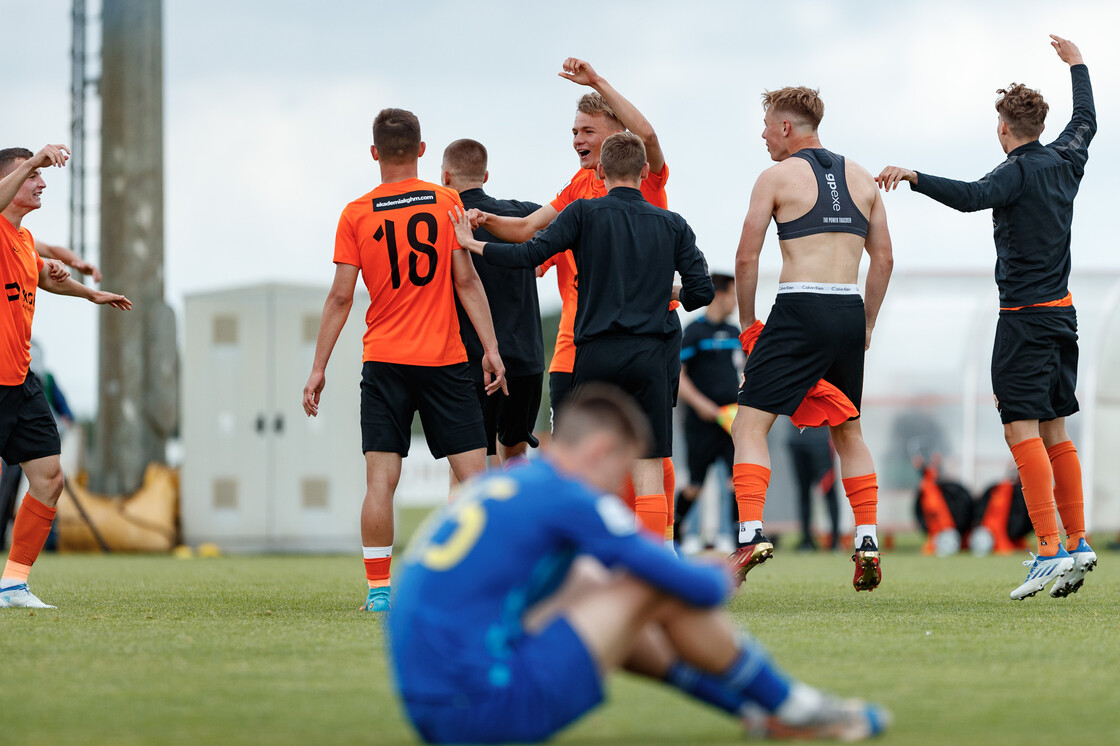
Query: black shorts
[
  {"x": 27, "y": 427},
  {"x": 706, "y": 443},
  {"x": 1034, "y": 364},
  {"x": 808, "y": 336},
  {"x": 559, "y": 387},
  {"x": 511, "y": 418},
  {"x": 637, "y": 365},
  {"x": 444, "y": 396}
]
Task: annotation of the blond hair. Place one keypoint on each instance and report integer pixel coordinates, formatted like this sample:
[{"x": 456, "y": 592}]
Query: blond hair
[
  {"x": 596, "y": 106},
  {"x": 797, "y": 102}
]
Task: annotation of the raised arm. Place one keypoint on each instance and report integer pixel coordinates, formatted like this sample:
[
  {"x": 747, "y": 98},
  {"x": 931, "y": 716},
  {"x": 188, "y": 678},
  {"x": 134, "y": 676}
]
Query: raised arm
[
  {"x": 881, "y": 257},
  {"x": 581, "y": 72},
  {"x": 759, "y": 212},
  {"x": 335, "y": 312},
  {"x": 1073, "y": 142},
  {"x": 472, "y": 295},
  {"x": 511, "y": 229},
  {"x": 50, "y": 155}
]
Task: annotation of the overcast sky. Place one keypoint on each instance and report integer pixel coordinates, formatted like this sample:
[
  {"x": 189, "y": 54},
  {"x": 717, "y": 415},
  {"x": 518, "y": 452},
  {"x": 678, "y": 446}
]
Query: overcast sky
[{"x": 268, "y": 109}]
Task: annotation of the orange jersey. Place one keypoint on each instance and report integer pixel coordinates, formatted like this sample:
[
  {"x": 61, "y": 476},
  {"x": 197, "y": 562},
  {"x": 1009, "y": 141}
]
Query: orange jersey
[
  {"x": 19, "y": 268},
  {"x": 585, "y": 185},
  {"x": 401, "y": 238}
]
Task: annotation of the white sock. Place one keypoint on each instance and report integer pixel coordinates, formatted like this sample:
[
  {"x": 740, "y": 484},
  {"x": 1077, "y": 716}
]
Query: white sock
[
  {"x": 747, "y": 529},
  {"x": 377, "y": 552},
  {"x": 866, "y": 529},
  {"x": 803, "y": 701}
]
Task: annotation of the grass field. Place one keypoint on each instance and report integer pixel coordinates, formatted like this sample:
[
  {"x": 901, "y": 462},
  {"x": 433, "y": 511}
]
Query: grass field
[{"x": 273, "y": 650}]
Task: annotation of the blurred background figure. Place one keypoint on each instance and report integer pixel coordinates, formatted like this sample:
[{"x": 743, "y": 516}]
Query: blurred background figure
[
  {"x": 711, "y": 367},
  {"x": 812, "y": 455}
]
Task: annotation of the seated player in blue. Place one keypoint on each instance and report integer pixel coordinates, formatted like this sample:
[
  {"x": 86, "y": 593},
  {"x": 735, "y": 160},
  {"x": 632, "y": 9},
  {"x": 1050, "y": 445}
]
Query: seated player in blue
[{"x": 521, "y": 595}]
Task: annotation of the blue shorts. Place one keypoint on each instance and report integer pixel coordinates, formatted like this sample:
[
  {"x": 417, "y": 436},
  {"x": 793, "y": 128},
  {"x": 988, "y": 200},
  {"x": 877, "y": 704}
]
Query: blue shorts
[{"x": 553, "y": 680}]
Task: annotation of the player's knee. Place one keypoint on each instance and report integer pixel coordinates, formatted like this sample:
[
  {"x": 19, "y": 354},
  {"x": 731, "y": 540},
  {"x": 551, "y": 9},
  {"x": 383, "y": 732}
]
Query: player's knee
[{"x": 46, "y": 483}]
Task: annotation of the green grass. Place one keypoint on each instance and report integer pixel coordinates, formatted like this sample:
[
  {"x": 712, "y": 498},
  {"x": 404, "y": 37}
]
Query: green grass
[{"x": 273, "y": 650}]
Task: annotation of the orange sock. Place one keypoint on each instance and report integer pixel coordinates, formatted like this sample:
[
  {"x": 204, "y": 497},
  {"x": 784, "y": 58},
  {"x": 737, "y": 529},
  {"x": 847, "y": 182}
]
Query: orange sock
[
  {"x": 652, "y": 512},
  {"x": 29, "y": 534},
  {"x": 626, "y": 494},
  {"x": 1038, "y": 492},
  {"x": 377, "y": 561},
  {"x": 863, "y": 494},
  {"x": 1067, "y": 491},
  {"x": 751, "y": 481},
  {"x": 670, "y": 494}
]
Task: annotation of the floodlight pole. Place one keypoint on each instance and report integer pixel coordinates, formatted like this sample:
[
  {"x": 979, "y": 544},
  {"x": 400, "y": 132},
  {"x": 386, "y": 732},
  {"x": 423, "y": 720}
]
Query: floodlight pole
[{"x": 138, "y": 355}]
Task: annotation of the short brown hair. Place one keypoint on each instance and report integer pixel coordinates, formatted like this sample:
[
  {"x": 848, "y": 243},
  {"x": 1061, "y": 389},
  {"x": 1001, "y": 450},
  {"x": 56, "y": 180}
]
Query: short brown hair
[
  {"x": 623, "y": 155},
  {"x": 798, "y": 102},
  {"x": 1023, "y": 109},
  {"x": 396, "y": 135},
  {"x": 597, "y": 106},
  {"x": 8, "y": 157},
  {"x": 595, "y": 407},
  {"x": 466, "y": 159}
]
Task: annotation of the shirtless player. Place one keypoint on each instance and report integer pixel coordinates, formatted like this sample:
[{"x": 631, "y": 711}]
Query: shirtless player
[{"x": 828, "y": 211}]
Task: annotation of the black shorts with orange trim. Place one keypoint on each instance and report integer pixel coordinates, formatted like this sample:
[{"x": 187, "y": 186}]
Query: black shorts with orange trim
[
  {"x": 511, "y": 418},
  {"x": 1034, "y": 363},
  {"x": 443, "y": 395},
  {"x": 638, "y": 366},
  {"x": 27, "y": 427},
  {"x": 808, "y": 336}
]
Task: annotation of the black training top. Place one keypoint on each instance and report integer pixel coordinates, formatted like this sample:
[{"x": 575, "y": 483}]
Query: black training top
[
  {"x": 834, "y": 211},
  {"x": 708, "y": 353},
  {"x": 512, "y": 295},
  {"x": 1031, "y": 196},
  {"x": 626, "y": 252}
]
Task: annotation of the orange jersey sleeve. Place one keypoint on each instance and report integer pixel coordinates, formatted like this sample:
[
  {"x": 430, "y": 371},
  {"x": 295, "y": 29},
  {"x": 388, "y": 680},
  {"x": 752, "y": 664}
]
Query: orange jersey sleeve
[
  {"x": 401, "y": 238},
  {"x": 19, "y": 267}
]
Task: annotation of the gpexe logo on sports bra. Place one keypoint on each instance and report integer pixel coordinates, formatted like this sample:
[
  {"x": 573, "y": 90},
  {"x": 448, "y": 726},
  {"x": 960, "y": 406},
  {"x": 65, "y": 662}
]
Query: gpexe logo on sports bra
[{"x": 835, "y": 193}]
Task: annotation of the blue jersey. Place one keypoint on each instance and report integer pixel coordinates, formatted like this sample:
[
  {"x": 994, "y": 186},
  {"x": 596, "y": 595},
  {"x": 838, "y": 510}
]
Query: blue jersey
[{"x": 506, "y": 543}]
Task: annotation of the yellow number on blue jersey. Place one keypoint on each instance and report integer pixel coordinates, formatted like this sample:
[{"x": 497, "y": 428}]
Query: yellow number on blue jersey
[{"x": 468, "y": 513}]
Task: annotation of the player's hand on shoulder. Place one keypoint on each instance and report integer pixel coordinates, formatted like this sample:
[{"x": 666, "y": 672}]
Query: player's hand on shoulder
[
  {"x": 579, "y": 71},
  {"x": 312, "y": 392},
  {"x": 463, "y": 232},
  {"x": 52, "y": 155},
  {"x": 1067, "y": 50},
  {"x": 891, "y": 176},
  {"x": 119, "y": 302},
  {"x": 477, "y": 217}
]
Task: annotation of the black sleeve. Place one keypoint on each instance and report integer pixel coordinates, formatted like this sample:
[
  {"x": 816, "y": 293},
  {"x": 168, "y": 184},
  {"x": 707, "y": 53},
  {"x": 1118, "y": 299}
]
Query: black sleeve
[
  {"x": 696, "y": 284},
  {"x": 1073, "y": 143},
  {"x": 557, "y": 237},
  {"x": 999, "y": 188}
]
